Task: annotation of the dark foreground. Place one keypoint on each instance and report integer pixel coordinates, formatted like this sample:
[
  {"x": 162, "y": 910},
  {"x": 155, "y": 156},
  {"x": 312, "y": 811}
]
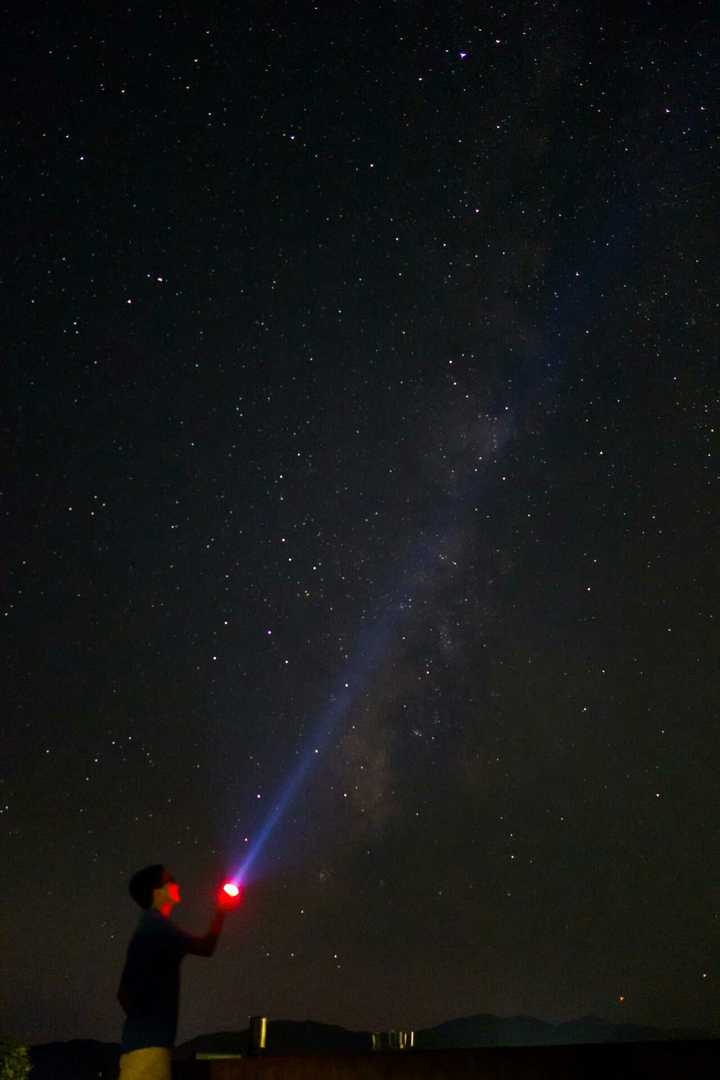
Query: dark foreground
[{"x": 593, "y": 1062}]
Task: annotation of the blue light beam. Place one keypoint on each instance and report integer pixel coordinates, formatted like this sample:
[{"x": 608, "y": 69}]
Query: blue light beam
[{"x": 370, "y": 649}]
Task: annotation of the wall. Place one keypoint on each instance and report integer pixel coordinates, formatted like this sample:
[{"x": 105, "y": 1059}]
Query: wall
[{"x": 656, "y": 1060}]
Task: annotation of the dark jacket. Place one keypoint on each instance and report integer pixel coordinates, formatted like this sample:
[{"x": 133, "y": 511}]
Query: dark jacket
[{"x": 149, "y": 989}]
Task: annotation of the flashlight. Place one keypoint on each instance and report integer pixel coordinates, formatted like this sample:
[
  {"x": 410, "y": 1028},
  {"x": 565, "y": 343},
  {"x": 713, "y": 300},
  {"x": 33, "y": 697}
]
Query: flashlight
[{"x": 229, "y": 894}]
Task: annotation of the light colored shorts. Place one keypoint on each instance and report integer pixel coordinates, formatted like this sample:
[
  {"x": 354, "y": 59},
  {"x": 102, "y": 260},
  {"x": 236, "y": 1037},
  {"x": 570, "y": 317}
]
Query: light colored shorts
[{"x": 150, "y": 1063}]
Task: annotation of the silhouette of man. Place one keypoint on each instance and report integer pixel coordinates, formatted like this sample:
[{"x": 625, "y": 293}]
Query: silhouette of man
[{"x": 149, "y": 989}]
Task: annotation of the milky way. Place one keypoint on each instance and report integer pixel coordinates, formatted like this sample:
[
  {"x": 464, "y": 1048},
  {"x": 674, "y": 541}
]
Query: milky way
[{"x": 378, "y": 349}]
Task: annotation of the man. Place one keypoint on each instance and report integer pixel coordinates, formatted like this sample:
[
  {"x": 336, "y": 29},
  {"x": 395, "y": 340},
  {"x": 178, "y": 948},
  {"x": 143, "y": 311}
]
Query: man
[{"x": 150, "y": 985}]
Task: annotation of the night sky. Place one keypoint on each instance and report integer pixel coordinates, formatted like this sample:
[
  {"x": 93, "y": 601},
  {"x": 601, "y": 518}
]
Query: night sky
[{"x": 361, "y": 384}]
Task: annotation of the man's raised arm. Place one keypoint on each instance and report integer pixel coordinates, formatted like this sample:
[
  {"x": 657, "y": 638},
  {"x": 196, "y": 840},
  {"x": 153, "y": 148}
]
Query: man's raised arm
[{"x": 205, "y": 945}]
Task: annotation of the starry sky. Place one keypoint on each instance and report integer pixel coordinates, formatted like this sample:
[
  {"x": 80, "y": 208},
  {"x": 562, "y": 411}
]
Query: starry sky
[{"x": 360, "y": 393}]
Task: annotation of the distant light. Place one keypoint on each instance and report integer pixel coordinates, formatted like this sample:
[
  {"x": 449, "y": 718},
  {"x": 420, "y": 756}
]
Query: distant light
[{"x": 231, "y": 889}]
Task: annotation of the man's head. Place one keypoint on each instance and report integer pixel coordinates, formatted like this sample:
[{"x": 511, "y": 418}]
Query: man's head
[{"x": 155, "y": 887}]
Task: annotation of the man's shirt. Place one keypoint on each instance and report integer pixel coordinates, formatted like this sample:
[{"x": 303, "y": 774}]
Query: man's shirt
[{"x": 150, "y": 983}]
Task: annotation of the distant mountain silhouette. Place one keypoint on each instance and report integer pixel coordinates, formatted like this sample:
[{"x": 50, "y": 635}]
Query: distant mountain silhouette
[
  {"x": 288, "y": 1036},
  {"x": 79, "y": 1059},
  {"x": 488, "y": 1030},
  {"x": 283, "y": 1036},
  {"x": 86, "y": 1059},
  {"x": 590, "y": 1029}
]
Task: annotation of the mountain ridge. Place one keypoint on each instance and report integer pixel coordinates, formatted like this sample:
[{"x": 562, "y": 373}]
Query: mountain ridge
[{"x": 83, "y": 1059}]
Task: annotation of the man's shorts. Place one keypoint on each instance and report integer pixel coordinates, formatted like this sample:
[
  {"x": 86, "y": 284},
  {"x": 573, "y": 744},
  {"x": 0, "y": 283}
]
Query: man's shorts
[{"x": 150, "y": 1063}]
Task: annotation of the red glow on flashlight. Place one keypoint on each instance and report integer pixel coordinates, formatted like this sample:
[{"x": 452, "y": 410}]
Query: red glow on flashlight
[{"x": 228, "y": 895}]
